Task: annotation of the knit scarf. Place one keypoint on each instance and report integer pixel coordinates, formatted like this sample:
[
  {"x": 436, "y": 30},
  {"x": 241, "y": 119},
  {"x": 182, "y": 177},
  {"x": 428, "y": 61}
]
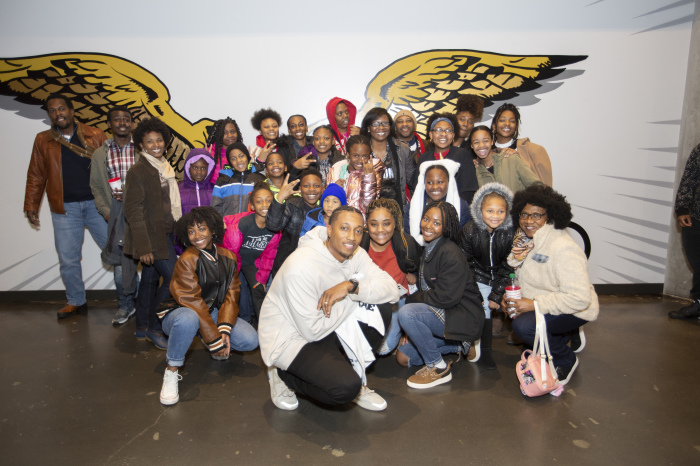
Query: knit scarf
[
  {"x": 522, "y": 245},
  {"x": 166, "y": 172},
  {"x": 86, "y": 151}
]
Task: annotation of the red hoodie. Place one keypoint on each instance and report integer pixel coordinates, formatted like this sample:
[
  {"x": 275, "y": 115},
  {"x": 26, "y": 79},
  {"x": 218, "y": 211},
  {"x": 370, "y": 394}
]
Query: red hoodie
[{"x": 330, "y": 112}]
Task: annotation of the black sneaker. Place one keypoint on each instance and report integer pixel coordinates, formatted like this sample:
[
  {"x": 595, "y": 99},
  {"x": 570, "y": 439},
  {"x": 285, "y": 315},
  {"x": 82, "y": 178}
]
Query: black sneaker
[
  {"x": 578, "y": 340},
  {"x": 687, "y": 312},
  {"x": 564, "y": 373}
]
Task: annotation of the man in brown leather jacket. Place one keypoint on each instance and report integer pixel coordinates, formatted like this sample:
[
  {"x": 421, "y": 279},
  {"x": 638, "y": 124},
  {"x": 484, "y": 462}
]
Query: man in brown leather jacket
[{"x": 60, "y": 164}]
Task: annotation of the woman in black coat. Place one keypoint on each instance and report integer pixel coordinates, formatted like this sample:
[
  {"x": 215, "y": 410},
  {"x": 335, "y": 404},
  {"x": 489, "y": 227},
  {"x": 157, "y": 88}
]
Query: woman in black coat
[{"x": 445, "y": 314}]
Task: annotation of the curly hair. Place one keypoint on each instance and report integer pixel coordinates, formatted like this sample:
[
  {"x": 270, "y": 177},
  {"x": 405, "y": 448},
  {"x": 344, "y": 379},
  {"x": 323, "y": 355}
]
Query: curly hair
[
  {"x": 200, "y": 216},
  {"x": 472, "y": 104},
  {"x": 373, "y": 115},
  {"x": 450, "y": 219},
  {"x": 216, "y": 137},
  {"x": 395, "y": 210},
  {"x": 541, "y": 195},
  {"x": 435, "y": 116},
  {"x": 264, "y": 114},
  {"x": 118, "y": 108},
  {"x": 343, "y": 208},
  {"x": 357, "y": 139},
  {"x": 150, "y": 125},
  {"x": 499, "y": 112}
]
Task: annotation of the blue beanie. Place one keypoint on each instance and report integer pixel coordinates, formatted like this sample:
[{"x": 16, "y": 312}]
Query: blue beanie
[{"x": 334, "y": 190}]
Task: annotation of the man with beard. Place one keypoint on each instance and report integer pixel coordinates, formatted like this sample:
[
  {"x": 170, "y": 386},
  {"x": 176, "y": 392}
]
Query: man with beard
[
  {"x": 60, "y": 164},
  {"x": 324, "y": 317}
]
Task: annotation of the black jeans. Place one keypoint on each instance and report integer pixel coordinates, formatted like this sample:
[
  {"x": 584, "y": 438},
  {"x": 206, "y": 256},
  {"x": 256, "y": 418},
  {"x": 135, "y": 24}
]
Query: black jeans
[
  {"x": 559, "y": 330},
  {"x": 691, "y": 244},
  {"x": 322, "y": 372}
]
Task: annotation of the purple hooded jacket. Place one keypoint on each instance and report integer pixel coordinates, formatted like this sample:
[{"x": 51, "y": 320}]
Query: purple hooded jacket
[{"x": 193, "y": 194}]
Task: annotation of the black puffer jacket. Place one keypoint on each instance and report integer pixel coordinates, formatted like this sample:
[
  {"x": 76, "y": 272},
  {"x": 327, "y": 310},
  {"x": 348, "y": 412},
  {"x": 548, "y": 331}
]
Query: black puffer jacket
[
  {"x": 289, "y": 219},
  {"x": 407, "y": 256},
  {"x": 452, "y": 288},
  {"x": 487, "y": 252}
]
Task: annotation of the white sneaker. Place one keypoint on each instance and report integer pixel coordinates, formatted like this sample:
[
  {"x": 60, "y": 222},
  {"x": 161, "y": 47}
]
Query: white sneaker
[
  {"x": 474, "y": 352},
  {"x": 169, "y": 394},
  {"x": 578, "y": 341},
  {"x": 281, "y": 395},
  {"x": 369, "y": 399}
]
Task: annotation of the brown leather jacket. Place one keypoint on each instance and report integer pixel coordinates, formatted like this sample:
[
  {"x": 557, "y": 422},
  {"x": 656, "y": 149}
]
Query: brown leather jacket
[
  {"x": 201, "y": 285},
  {"x": 45, "y": 169}
]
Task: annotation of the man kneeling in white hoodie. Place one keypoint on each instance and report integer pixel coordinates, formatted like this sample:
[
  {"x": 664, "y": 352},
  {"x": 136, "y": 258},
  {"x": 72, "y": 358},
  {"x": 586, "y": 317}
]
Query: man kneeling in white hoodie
[{"x": 324, "y": 316}]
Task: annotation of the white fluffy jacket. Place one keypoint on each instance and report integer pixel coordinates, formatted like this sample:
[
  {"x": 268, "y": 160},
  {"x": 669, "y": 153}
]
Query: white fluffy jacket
[
  {"x": 416, "y": 207},
  {"x": 289, "y": 317},
  {"x": 555, "y": 274}
]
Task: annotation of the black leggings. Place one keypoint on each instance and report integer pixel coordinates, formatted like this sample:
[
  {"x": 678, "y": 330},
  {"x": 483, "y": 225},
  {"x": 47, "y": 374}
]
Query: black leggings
[{"x": 322, "y": 371}]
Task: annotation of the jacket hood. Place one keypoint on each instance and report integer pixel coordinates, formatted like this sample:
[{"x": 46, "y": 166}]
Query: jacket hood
[
  {"x": 417, "y": 201},
  {"x": 330, "y": 112},
  {"x": 489, "y": 188},
  {"x": 192, "y": 157}
]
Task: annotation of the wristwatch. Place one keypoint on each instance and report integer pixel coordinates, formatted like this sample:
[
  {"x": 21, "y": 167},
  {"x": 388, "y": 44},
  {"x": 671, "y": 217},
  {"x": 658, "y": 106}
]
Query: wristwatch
[{"x": 355, "y": 284}]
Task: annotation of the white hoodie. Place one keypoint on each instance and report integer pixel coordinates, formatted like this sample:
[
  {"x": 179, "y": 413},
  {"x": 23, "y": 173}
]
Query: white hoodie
[{"x": 289, "y": 317}]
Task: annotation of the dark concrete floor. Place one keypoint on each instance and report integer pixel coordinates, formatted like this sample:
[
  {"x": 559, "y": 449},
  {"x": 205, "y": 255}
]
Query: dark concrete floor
[{"x": 81, "y": 392}]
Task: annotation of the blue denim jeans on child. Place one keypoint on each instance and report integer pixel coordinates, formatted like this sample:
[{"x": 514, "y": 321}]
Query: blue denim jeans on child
[
  {"x": 485, "y": 291},
  {"x": 69, "y": 234},
  {"x": 424, "y": 328},
  {"x": 182, "y": 324}
]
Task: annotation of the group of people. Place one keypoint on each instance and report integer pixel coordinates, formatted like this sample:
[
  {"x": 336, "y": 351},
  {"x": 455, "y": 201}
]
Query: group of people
[{"x": 326, "y": 249}]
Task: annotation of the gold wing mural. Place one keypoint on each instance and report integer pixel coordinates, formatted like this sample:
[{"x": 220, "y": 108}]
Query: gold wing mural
[
  {"x": 97, "y": 82},
  {"x": 432, "y": 81}
]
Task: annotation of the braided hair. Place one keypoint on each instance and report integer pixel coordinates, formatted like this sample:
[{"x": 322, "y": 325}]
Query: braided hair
[
  {"x": 499, "y": 112},
  {"x": 393, "y": 207},
  {"x": 356, "y": 139},
  {"x": 217, "y": 136},
  {"x": 450, "y": 219}
]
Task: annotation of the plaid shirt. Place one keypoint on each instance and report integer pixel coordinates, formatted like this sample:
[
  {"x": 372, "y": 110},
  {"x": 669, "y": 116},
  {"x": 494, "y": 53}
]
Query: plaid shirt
[{"x": 119, "y": 160}]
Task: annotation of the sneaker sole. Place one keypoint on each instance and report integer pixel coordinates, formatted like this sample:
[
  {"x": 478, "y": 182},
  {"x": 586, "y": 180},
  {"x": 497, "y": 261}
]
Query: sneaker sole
[
  {"x": 477, "y": 352},
  {"x": 371, "y": 406},
  {"x": 573, "y": 369},
  {"x": 582, "y": 336},
  {"x": 285, "y": 406},
  {"x": 169, "y": 402},
  {"x": 434, "y": 383},
  {"x": 123, "y": 321}
]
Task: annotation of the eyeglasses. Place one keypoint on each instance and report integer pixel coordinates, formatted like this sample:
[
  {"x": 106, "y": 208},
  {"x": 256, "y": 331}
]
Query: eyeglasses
[
  {"x": 380, "y": 124},
  {"x": 536, "y": 216},
  {"x": 443, "y": 130}
]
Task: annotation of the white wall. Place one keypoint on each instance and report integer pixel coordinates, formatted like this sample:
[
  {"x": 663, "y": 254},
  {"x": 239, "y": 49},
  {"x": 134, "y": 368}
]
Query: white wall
[{"x": 222, "y": 58}]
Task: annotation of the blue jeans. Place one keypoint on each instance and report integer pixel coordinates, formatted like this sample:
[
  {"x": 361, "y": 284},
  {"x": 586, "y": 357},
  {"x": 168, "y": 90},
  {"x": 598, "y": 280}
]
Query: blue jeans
[
  {"x": 150, "y": 294},
  {"x": 392, "y": 335},
  {"x": 559, "y": 330},
  {"x": 126, "y": 298},
  {"x": 182, "y": 324},
  {"x": 485, "y": 291},
  {"x": 69, "y": 233},
  {"x": 426, "y": 332}
]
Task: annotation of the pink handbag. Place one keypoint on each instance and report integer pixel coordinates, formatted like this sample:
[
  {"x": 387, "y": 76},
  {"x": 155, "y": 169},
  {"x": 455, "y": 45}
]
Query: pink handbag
[{"x": 535, "y": 371}]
